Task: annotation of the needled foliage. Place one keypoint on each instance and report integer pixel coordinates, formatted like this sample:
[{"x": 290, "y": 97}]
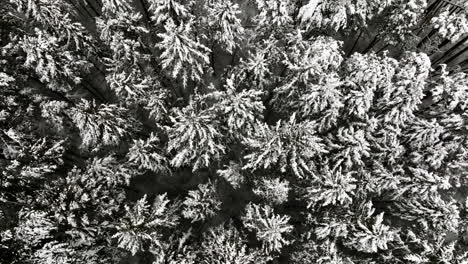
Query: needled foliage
[{"x": 232, "y": 131}]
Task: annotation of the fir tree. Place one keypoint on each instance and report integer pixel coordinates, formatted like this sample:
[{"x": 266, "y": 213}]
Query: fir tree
[{"x": 266, "y": 131}]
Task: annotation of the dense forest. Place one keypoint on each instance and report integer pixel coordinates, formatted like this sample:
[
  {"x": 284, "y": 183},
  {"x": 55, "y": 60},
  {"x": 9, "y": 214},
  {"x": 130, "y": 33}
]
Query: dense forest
[{"x": 233, "y": 131}]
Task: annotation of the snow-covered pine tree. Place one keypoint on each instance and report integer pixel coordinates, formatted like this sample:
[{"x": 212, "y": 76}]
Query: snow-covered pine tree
[{"x": 259, "y": 131}]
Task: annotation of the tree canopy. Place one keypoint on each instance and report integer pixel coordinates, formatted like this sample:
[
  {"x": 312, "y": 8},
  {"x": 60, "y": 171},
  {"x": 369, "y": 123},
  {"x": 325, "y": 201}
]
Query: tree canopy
[{"x": 233, "y": 131}]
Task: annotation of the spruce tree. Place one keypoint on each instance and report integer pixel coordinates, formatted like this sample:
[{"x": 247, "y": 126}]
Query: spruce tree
[{"x": 253, "y": 131}]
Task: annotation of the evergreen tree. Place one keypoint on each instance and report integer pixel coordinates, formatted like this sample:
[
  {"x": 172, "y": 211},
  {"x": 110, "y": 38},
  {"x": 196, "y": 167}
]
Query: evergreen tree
[{"x": 258, "y": 131}]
